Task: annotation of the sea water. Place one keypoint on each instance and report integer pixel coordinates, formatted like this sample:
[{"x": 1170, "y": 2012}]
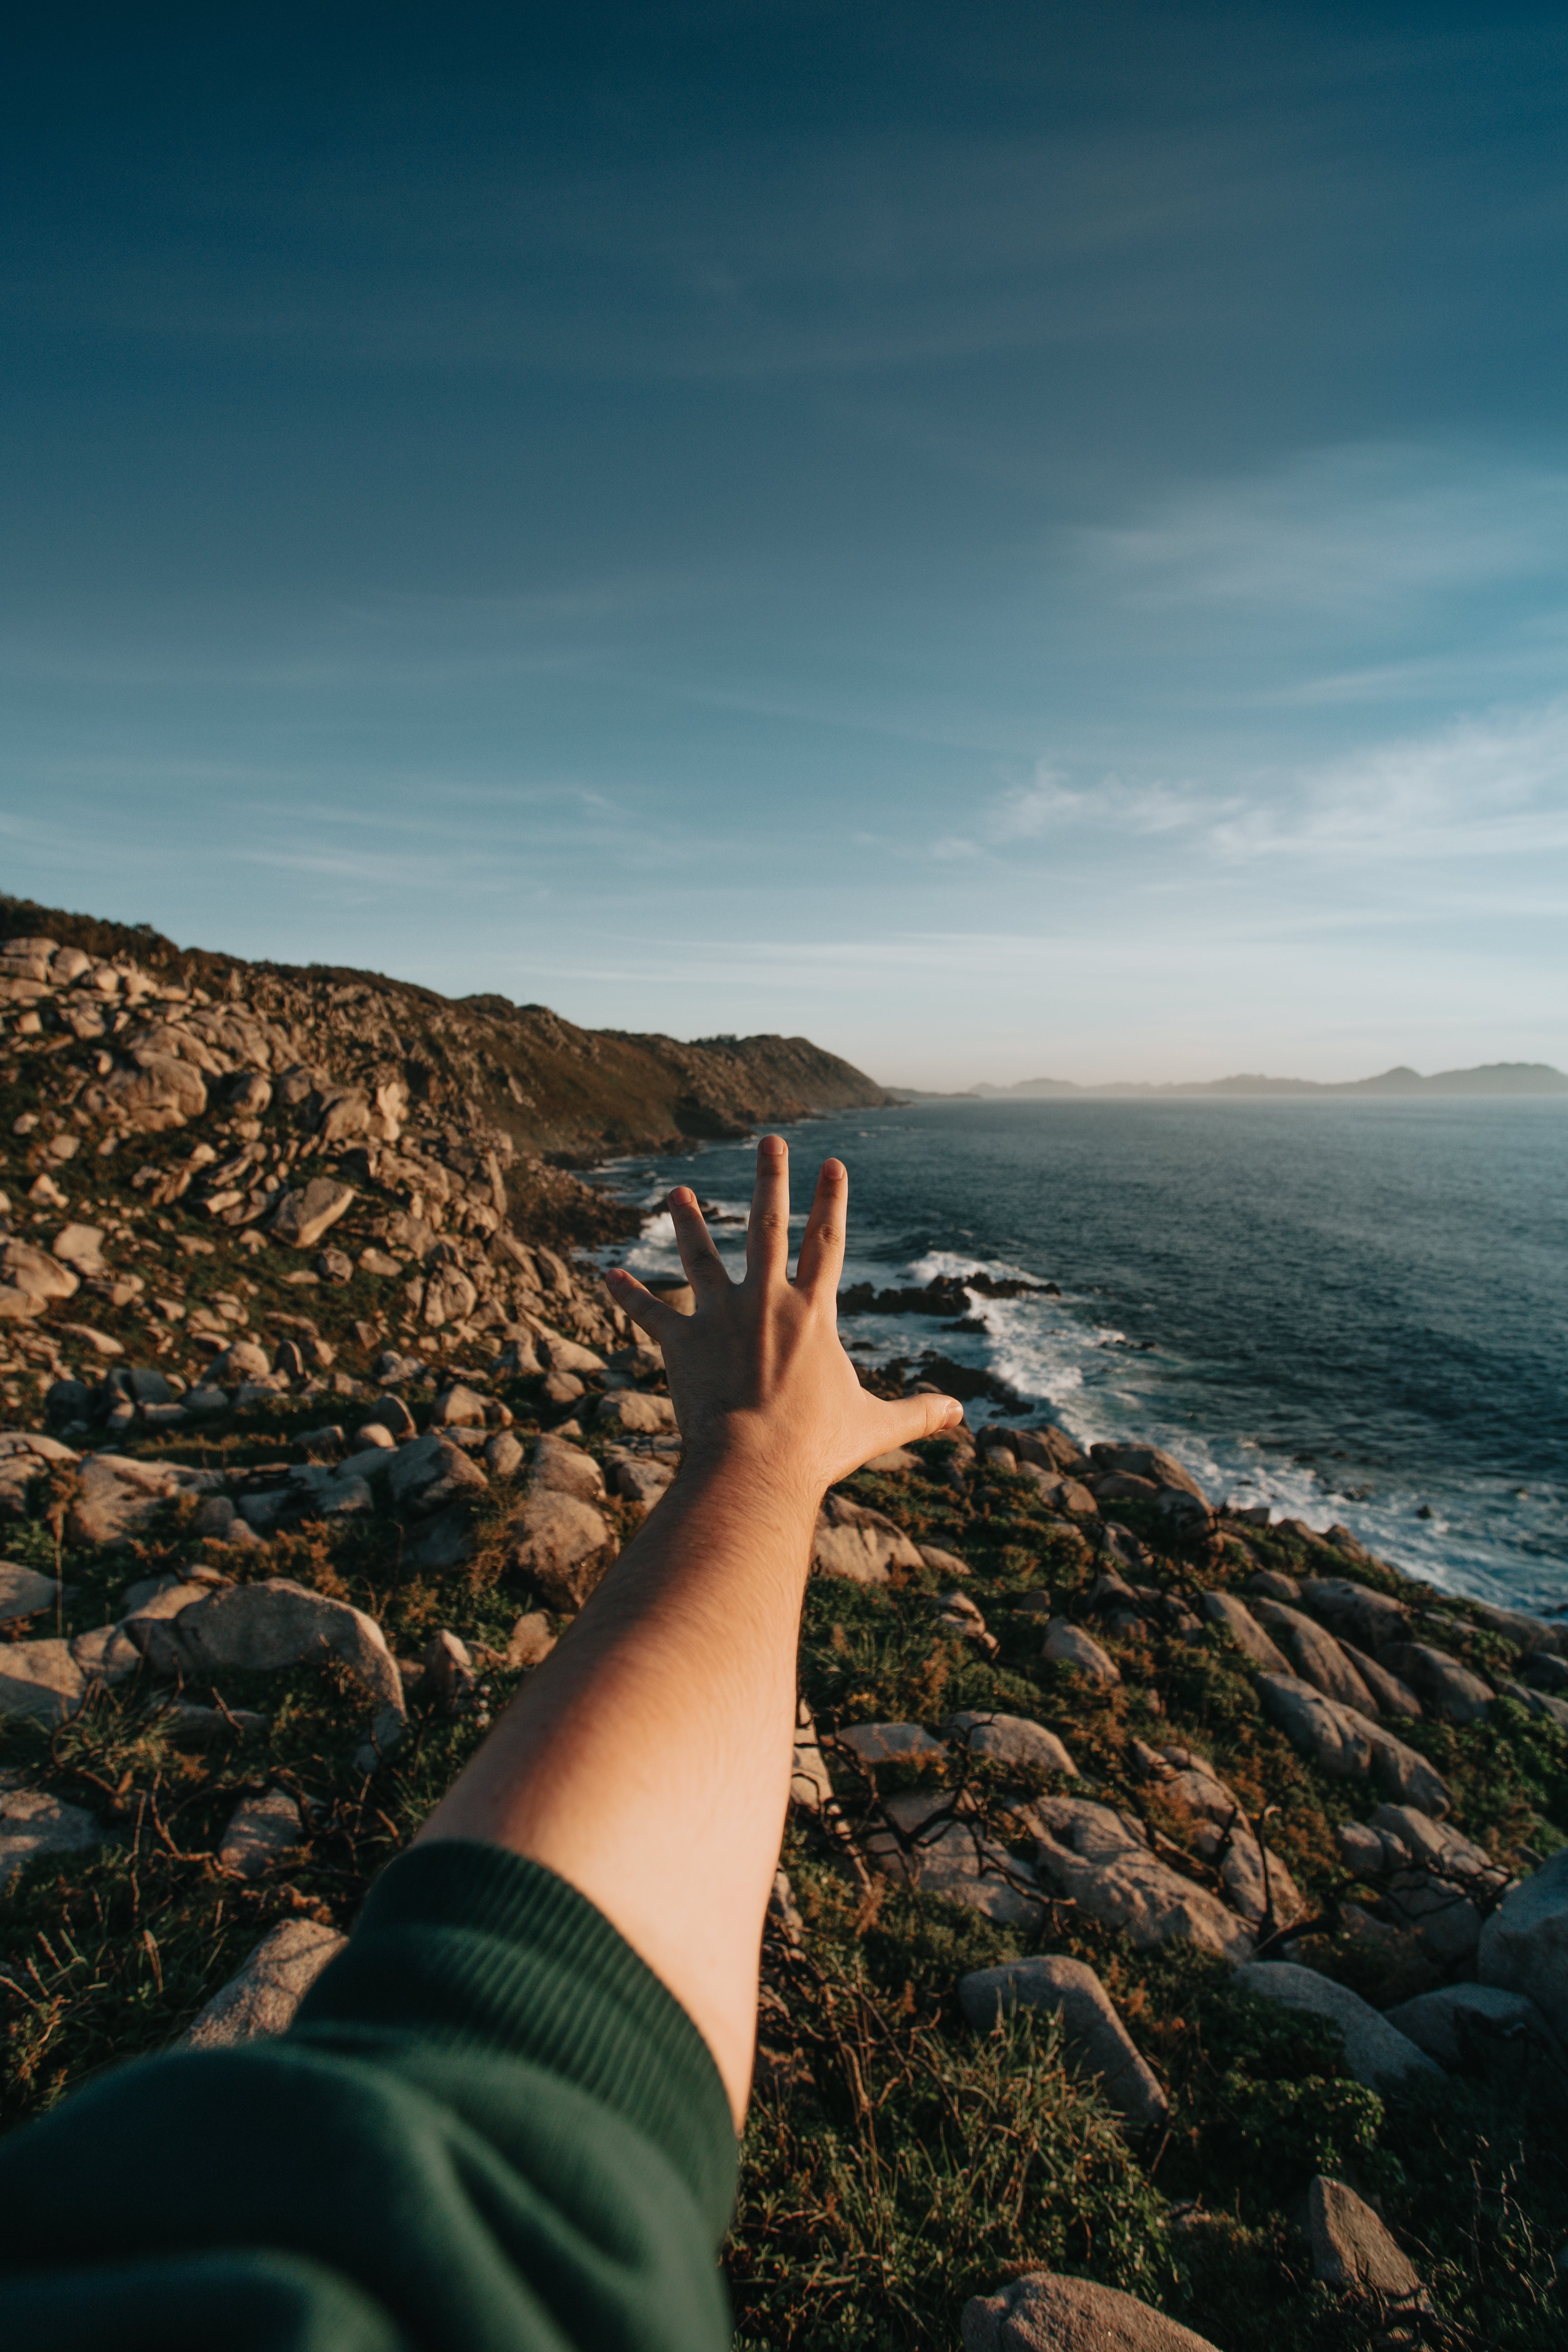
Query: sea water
[{"x": 1351, "y": 1311}]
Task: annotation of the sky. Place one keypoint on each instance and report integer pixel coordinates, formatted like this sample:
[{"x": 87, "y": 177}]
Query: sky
[{"x": 1015, "y": 540}]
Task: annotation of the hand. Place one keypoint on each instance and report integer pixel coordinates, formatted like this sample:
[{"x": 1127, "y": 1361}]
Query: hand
[{"x": 759, "y": 1367}]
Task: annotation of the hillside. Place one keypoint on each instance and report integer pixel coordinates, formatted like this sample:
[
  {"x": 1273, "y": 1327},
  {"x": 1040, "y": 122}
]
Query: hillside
[
  {"x": 1170, "y": 1897},
  {"x": 1489, "y": 1079},
  {"x": 573, "y": 1095}
]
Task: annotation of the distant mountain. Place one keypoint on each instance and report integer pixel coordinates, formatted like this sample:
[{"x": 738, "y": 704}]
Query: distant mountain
[{"x": 1491, "y": 1078}]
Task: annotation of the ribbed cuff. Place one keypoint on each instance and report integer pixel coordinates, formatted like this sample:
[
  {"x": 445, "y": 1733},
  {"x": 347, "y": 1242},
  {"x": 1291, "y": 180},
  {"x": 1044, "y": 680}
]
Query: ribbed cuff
[{"x": 464, "y": 1943}]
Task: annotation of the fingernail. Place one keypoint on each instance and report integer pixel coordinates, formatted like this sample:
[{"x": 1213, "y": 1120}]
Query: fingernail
[
  {"x": 774, "y": 1146},
  {"x": 683, "y": 1197},
  {"x": 834, "y": 1171}
]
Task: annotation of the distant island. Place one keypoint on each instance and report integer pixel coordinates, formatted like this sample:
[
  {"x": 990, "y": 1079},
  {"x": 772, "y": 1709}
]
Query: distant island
[{"x": 1491, "y": 1078}]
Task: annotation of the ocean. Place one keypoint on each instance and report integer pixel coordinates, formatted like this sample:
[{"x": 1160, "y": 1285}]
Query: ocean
[{"x": 1352, "y": 1311}]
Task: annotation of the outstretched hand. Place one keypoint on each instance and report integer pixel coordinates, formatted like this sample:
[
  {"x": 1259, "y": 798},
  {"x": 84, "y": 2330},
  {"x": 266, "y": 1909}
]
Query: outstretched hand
[{"x": 759, "y": 1367}]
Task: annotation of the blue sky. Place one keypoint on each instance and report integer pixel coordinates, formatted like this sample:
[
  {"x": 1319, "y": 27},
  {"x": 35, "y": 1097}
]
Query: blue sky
[{"x": 1015, "y": 540}]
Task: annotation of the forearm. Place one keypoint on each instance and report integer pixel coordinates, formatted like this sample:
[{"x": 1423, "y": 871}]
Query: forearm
[{"x": 648, "y": 1761}]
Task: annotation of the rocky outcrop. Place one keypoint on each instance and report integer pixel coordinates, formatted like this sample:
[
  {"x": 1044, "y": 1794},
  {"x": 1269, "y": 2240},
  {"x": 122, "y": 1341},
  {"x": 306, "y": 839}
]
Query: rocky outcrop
[
  {"x": 1043, "y": 2313},
  {"x": 1095, "y": 2041}
]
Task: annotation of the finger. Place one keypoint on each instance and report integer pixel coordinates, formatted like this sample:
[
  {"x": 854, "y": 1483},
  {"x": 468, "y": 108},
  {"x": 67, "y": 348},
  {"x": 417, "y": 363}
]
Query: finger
[
  {"x": 822, "y": 1243},
  {"x": 767, "y": 1232},
  {"x": 704, "y": 1266},
  {"x": 908, "y": 1418},
  {"x": 649, "y": 1314}
]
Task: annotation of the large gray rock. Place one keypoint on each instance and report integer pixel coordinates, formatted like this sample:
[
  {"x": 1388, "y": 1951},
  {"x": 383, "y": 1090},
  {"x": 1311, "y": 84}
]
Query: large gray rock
[
  {"x": 1524, "y": 1944},
  {"x": 1009, "y": 1739},
  {"x": 1393, "y": 1698},
  {"x": 259, "y": 1829},
  {"x": 1044, "y": 2313},
  {"x": 428, "y": 1474},
  {"x": 1066, "y": 1645},
  {"x": 1345, "y": 1744},
  {"x": 263, "y": 1996},
  {"x": 1443, "y": 1682},
  {"x": 440, "y": 1544},
  {"x": 891, "y": 1743},
  {"x": 562, "y": 1469},
  {"x": 1351, "y": 2247},
  {"x": 305, "y": 1214},
  {"x": 1236, "y": 1619},
  {"x": 41, "y": 1679},
  {"x": 258, "y": 1628},
  {"x": 156, "y": 1092},
  {"x": 633, "y": 1410},
  {"x": 953, "y": 1857},
  {"x": 23, "y": 1591},
  {"x": 35, "y": 1272},
  {"x": 857, "y": 1543},
  {"x": 1376, "y": 2052},
  {"x": 1316, "y": 1656},
  {"x": 1459, "y": 2024},
  {"x": 1368, "y": 1619},
  {"x": 1094, "y": 2039},
  {"x": 564, "y": 1543},
  {"x": 120, "y": 1497},
  {"x": 33, "y": 1822},
  {"x": 1101, "y": 1859},
  {"x": 1147, "y": 1461}
]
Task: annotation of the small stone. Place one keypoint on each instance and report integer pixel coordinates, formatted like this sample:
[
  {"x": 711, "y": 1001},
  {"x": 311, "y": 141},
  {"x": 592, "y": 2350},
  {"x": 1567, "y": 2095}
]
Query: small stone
[
  {"x": 33, "y": 1822},
  {"x": 562, "y": 1388},
  {"x": 1351, "y": 2247},
  {"x": 260, "y": 1829},
  {"x": 1066, "y": 1645},
  {"x": 459, "y": 1408},
  {"x": 449, "y": 1672},
  {"x": 380, "y": 1262},
  {"x": 860, "y": 1544},
  {"x": 565, "y": 1470},
  {"x": 891, "y": 1743},
  {"x": 1010, "y": 1740},
  {"x": 531, "y": 1643},
  {"x": 23, "y": 1591},
  {"x": 336, "y": 1265},
  {"x": 303, "y": 1216},
  {"x": 504, "y": 1454},
  {"x": 40, "y": 1679},
  {"x": 563, "y": 1543},
  {"x": 1095, "y": 2039},
  {"x": 393, "y": 1414},
  {"x": 643, "y": 1482},
  {"x": 425, "y": 1475},
  {"x": 633, "y": 1411},
  {"x": 261, "y": 1999},
  {"x": 374, "y": 1436}
]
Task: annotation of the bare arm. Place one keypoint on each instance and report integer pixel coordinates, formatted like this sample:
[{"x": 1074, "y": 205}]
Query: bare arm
[{"x": 648, "y": 1760}]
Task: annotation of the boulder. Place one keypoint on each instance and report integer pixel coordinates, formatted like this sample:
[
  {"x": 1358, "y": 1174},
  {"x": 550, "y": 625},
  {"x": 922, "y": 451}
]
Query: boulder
[
  {"x": 242, "y": 1360},
  {"x": 23, "y": 1591},
  {"x": 1376, "y": 2052},
  {"x": 459, "y": 1408},
  {"x": 1147, "y": 1461},
  {"x": 107, "y": 1654},
  {"x": 1066, "y": 1645},
  {"x": 259, "y": 1829},
  {"x": 262, "y": 1997},
  {"x": 449, "y": 1298},
  {"x": 1392, "y": 1697},
  {"x": 1050, "y": 1449},
  {"x": 35, "y": 1273},
  {"x": 1351, "y": 2247},
  {"x": 1463, "y": 2024},
  {"x": 891, "y": 1743},
  {"x": 1044, "y": 2313},
  {"x": 563, "y": 1543},
  {"x": 634, "y": 1410},
  {"x": 423, "y": 1476},
  {"x": 1315, "y": 1655},
  {"x": 1445, "y": 1685},
  {"x": 562, "y": 1469},
  {"x": 1009, "y": 1739},
  {"x": 157, "y": 1092},
  {"x": 951, "y": 1857},
  {"x": 945, "y": 1563},
  {"x": 641, "y": 1481},
  {"x": 1368, "y": 1619},
  {"x": 564, "y": 1355},
  {"x": 305, "y": 1212},
  {"x": 258, "y": 1628},
  {"x": 896, "y": 1463},
  {"x": 1094, "y": 2039},
  {"x": 81, "y": 1248},
  {"x": 41, "y": 1679},
  {"x": 503, "y": 1453},
  {"x": 1236, "y": 1619},
  {"x": 1344, "y": 1744},
  {"x": 1101, "y": 1860},
  {"x": 439, "y": 1544},
  {"x": 1273, "y": 1584},
  {"x": 1524, "y": 1944},
  {"x": 859, "y": 1543},
  {"x": 33, "y": 1822}
]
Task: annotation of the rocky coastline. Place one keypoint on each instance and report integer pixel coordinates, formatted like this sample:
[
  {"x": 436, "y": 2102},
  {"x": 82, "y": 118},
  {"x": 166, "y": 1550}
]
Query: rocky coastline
[{"x": 1171, "y": 1948}]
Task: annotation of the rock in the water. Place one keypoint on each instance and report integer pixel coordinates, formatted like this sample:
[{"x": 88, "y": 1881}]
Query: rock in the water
[
  {"x": 1376, "y": 2052},
  {"x": 1446, "y": 1686},
  {"x": 859, "y": 1543},
  {"x": 1461, "y": 2025},
  {"x": 262, "y": 1998},
  {"x": 1068, "y": 1646},
  {"x": 260, "y": 1829},
  {"x": 1235, "y": 1618},
  {"x": 1101, "y": 1859},
  {"x": 303, "y": 1216},
  {"x": 33, "y": 1822},
  {"x": 1351, "y": 2247},
  {"x": 41, "y": 1679},
  {"x": 531, "y": 1641},
  {"x": 891, "y": 1743},
  {"x": 1524, "y": 1944},
  {"x": 23, "y": 1591},
  {"x": 1044, "y": 2313},
  {"x": 1094, "y": 2039},
  {"x": 1345, "y": 1744},
  {"x": 564, "y": 1543},
  {"x": 1009, "y": 1739}
]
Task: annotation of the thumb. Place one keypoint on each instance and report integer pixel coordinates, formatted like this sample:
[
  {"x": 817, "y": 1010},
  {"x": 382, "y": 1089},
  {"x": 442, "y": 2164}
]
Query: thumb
[{"x": 921, "y": 1416}]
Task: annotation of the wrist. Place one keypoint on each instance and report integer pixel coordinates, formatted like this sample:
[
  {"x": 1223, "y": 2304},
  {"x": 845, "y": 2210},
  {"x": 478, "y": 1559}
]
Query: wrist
[{"x": 744, "y": 1452}]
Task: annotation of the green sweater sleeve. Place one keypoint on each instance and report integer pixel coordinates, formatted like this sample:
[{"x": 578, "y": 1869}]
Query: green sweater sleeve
[{"x": 490, "y": 2129}]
